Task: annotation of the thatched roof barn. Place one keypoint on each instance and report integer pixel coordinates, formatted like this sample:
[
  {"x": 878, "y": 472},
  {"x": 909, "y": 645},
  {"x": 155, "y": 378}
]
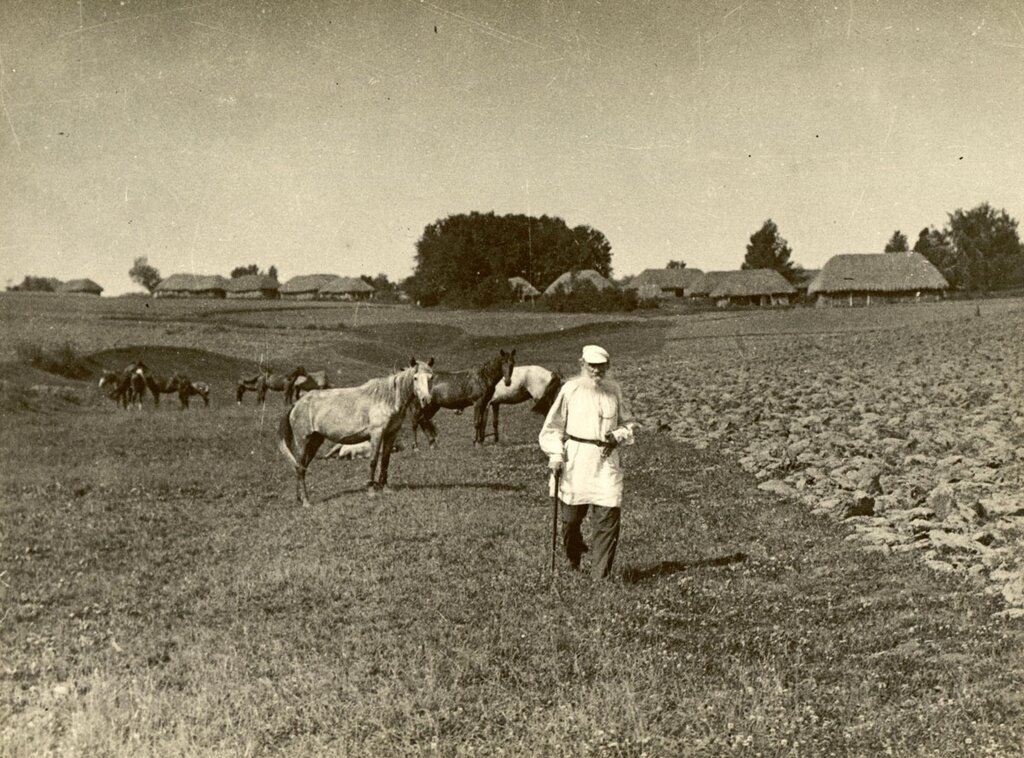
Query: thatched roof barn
[
  {"x": 567, "y": 280},
  {"x": 876, "y": 277},
  {"x": 80, "y": 287},
  {"x": 669, "y": 282},
  {"x": 523, "y": 289},
  {"x": 347, "y": 288},
  {"x": 191, "y": 285},
  {"x": 253, "y": 287},
  {"x": 703, "y": 286},
  {"x": 759, "y": 286},
  {"x": 306, "y": 287}
]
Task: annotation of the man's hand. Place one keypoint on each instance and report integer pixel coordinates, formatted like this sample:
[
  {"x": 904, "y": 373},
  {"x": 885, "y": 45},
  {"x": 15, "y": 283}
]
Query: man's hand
[{"x": 556, "y": 465}]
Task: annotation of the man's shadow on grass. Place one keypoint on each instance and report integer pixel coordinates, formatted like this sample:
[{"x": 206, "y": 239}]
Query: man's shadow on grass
[{"x": 636, "y": 574}]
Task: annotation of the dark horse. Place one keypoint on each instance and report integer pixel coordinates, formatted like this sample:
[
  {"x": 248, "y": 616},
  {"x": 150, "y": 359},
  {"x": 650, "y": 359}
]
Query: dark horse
[
  {"x": 372, "y": 412},
  {"x": 267, "y": 381},
  {"x": 158, "y": 386},
  {"x": 127, "y": 386},
  {"x": 186, "y": 388},
  {"x": 307, "y": 382},
  {"x": 460, "y": 389}
]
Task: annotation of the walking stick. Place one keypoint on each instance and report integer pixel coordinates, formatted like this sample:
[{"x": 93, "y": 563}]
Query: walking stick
[{"x": 554, "y": 521}]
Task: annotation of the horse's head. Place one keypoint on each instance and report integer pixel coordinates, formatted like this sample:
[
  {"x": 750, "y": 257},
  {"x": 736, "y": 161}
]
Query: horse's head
[
  {"x": 508, "y": 362},
  {"x": 422, "y": 379}
]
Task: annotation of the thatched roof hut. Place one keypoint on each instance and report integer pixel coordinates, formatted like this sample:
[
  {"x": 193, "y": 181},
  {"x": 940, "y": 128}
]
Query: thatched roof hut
[
  {"x": 191, "y": 285},
  {"x": 567, "y": 280},
  {"x": 669, "y": 282},
  {"x": 882, "y": 277},
  {"x": 347, "y": 288},
  {"x": 80, "y": 287},
  {"x": 759, "y": 286},
  {"x": 523, "y": 288},
  {"x": 253, "y": 287},
  {"x": 306, "y": 287},
  {"x": 703, "y": 286}
]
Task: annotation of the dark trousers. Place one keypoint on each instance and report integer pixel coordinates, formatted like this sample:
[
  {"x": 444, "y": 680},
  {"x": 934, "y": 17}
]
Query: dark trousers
[{"x": 604, "y": 537}]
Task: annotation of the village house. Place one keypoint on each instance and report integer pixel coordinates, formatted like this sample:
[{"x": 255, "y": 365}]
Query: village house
[
  {"x": 192, "y": 285},
  {"x": 705, "y": 283},
  {"x": 569, "y": 279},
  {"x": 665, "y": 283},
  {"x": 80, "y": 287},
  {"x": 850, "y": 280},
  {"x": 759, "y": 286},
  {"x": 253, "y": 287},
  {"x": 306, "y": 287},
  {"x": 347, "y": 288}
]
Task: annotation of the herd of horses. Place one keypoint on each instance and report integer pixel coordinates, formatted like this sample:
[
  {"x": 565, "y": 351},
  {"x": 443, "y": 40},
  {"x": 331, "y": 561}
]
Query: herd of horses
[
  {"x": 371, "y": 415},
  {"x": 362, "y": 421},
  {"x": 128, "y": 386}
]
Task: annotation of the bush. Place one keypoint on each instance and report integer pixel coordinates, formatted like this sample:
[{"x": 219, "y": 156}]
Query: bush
[
  {"x": 488, "y": 292},
  {"x": 587, "y": 298},
  {"x": 63, "y": 360}
]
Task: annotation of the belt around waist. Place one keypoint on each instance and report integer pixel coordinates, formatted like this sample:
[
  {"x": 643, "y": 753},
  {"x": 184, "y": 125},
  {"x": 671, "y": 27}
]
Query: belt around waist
[{"x": 598, "y": 443}]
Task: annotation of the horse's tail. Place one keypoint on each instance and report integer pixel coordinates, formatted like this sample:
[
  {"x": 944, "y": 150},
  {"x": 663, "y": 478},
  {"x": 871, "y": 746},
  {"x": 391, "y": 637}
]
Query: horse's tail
[
  {"x": 544, "y": 403},
  {"x": 286, "y": 438}
]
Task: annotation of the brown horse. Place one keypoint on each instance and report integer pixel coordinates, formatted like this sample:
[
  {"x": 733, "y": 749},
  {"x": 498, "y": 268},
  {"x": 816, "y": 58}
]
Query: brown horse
[
  {"x": 265, "y": 381},
  {"x": 373, "y": 411},
  {"x": 187, "y": 388},
  {"x": 460, "y": 389},
  {"x": 136, "y": 389},
  {"x": 158, "y": 386},
  {"x": 311, "y": 380},
  {"x": 124, "y": 385}
]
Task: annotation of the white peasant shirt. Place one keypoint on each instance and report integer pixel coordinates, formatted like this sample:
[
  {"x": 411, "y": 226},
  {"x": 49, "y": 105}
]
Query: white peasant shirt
[{"x": 589, "y": 412}]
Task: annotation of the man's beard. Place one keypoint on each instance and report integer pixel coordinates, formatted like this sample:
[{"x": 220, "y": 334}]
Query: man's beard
[{"x": 592, "y": 382}]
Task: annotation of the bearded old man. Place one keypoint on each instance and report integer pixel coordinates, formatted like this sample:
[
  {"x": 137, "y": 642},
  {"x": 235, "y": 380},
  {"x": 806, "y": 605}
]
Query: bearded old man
[{"x": 581, "y": 435}]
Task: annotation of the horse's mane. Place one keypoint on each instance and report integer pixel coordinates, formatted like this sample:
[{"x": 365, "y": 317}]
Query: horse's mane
[{"x": 393, "y": 389}]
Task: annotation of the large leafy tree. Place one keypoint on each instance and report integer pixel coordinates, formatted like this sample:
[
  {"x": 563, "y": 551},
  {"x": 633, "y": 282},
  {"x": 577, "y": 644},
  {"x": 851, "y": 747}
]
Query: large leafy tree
[
  {"x": 987, "y": 247},
  {"x": 897, "y": 243},
  {"x": 768, "y": 249},
  {"x": 676, "y": 264},
  {"x": 142, "y": 273},
  {"x": 934, "y": 245},
  {"x": 467, "y": 258}
]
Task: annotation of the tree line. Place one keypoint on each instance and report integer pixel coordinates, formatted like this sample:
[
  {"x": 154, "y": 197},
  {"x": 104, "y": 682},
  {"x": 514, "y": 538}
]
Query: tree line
[
  {"x": 467, "y": 259},
  {"x": 978, "y": 250}
]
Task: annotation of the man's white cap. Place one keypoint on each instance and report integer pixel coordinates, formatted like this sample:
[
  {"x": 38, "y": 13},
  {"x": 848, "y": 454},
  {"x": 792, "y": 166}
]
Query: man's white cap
[{"x": 595, "y": 354}]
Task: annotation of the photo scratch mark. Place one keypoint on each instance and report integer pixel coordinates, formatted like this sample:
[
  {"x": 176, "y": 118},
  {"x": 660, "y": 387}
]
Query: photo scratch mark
[
  {"x": 164, "y": 12},
  {"x": 485, "y": 28},
  {"x": 3, "y": 104},
  {"x": 734, "y": 10}
]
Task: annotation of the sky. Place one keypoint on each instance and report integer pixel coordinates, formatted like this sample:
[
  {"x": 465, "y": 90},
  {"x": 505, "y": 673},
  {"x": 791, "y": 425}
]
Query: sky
[{"x": 323, "y": 137}]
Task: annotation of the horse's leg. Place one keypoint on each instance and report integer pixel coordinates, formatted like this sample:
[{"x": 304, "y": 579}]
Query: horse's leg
[
  {"x": 309, "y": 448},
  {"x": 421, "y": 420},
  {"x": 375, "y": 445},
  {"x": 479, "y": 421},
  {"x": 385, "y": 457},
  {"x": 426, "y": 423},
  {"x": 494, "y": 410}
]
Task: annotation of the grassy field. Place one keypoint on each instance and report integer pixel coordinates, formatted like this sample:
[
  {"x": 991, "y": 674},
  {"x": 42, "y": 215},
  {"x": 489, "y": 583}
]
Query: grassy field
[{"x": 162, "y": 595}]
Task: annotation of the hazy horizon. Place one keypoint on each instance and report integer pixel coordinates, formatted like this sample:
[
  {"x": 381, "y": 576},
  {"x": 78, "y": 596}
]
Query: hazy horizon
[{"x": 323, "y": 137}]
